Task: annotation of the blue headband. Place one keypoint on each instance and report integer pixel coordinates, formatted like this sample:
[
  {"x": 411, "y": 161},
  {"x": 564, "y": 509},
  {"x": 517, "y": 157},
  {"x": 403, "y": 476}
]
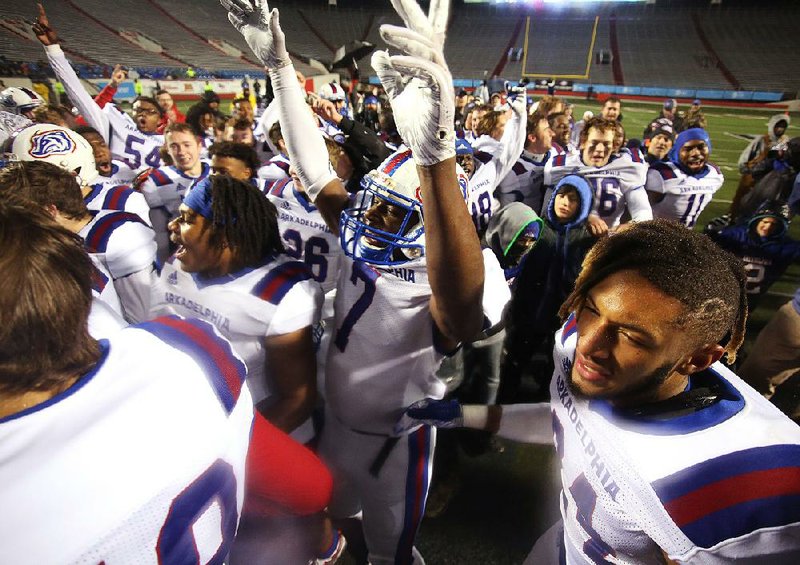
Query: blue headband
[
  {"x": 684, "y": 137},
  {"x": 199, "y": 198}
]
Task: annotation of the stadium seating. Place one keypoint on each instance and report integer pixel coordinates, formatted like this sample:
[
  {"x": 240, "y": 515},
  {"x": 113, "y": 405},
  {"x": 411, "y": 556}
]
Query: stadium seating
[{"x": 672, "y": 44}]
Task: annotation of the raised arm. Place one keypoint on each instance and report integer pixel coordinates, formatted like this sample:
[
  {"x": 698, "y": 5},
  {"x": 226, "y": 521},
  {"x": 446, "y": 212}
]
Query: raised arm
[
  {"x": 420, "y": 89},
  {"x": 262, "y": 30},
  {"x": 90, "y": 111},
  {"x": 513, "y": 140}
]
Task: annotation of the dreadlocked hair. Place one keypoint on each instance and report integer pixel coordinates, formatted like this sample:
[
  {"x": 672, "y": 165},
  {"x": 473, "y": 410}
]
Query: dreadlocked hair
[
  {"x": 244, "y": 220},
  {"x": 683, "y": 264}
]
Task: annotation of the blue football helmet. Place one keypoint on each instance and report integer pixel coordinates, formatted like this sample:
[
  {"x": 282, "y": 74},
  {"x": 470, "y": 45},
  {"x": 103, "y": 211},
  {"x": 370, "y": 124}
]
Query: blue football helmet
[{"x": 390, "y": 191}]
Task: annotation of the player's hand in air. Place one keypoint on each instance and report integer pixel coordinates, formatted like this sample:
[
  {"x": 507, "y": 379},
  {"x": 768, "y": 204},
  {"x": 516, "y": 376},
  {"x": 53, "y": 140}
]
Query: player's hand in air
[
  {"x": 437, "y": 413},
  {"x": 261, "y": 29},
  {"x": 518, "y": 100},
  {"x": 44, "y": 32},
  {"x": 118, "y": 75},
  {"x": 327, "y": 110},
  {"x": 597, "y": 226},
  {"x": 419, "y": 84}
]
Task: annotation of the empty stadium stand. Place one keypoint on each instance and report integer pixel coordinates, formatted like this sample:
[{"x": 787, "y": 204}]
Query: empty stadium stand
[{"x": 676, "y": 43}]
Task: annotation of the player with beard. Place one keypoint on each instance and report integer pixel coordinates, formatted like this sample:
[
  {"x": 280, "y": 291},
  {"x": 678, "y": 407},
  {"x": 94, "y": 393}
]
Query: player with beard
[
  {"x": 617, "y": 179},
  {"x": 679, "y": 189},
  {"x": 666, "y": 455},
  {"x": 135, "y": 141}
]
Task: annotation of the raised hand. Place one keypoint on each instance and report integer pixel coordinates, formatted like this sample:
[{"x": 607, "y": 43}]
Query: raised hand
[
  {"x": 261, "y": 28},
  {"x": 44, "y": 32},
  {"x": 419, "y": 84},
  {"x": 438, "y": 413},
  {"x": 118, "y": 75}
]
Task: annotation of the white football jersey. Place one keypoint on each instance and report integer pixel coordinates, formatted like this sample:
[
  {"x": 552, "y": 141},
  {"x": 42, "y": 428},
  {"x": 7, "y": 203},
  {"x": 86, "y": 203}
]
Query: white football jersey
[
  {"x": 121, "y": 173},
  {"x": 276, "y": 169},
  {"x": 103, "y": 285},
  {"x": 382, "y": 355},
  {"x": 685, "y": 195},
  {"x": 707, "y": 486},
  {"x": 305, "y": 234},
  {"x": 276, "y": 298},
  {"x": 164, "y": 190},
  {"x": 136, "y": 149},
  {"x": 140, "y": 461},
  {"x": 525, "y": 182},
  {"x": 612, "y": 184},
  {"x": 107, "y": 196},
  {"x": 121, "y": 241}
]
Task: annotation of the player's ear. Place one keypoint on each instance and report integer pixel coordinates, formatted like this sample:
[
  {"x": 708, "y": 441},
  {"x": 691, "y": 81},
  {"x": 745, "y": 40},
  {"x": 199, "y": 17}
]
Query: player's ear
[{"x": 700, "y": 359}]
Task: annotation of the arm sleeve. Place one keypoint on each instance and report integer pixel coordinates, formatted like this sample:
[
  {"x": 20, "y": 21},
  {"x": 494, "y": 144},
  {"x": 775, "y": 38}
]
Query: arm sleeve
[
  {"x": 303, "y": 139},
  {"x": 91, "y": 112},
  {"x": 301, "y": 307},
  {"x": 513, "y": 142},
  {"x": 106, "y": 95},
  {"x": 134, "y": 294},
  {"x": 639, "y": 205},
  {"x": 527, "y": 423}
]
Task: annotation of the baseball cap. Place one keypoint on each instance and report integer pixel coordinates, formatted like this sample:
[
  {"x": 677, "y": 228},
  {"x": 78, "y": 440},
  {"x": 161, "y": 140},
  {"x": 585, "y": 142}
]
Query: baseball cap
[
  {"x": 461, "y": 92},
  {"x": 696, "y": 102},
  {"x": 463, "y": 147},
  {"x": 670, "y": 103},
  {"x": 663, "y": 129}
]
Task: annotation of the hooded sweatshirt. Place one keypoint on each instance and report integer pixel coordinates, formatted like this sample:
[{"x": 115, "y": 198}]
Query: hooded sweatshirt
[
  {"x": 549, "y": 271},
  {"x": 757, "y": 149}
]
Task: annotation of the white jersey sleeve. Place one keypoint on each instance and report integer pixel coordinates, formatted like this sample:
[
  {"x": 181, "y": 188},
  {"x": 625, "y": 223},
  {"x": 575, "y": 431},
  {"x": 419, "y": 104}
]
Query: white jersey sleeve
[
  {"x": 638, "y": 205},
  {"x": 77, "y": 94},
  {"x": 124, "y": 243}
]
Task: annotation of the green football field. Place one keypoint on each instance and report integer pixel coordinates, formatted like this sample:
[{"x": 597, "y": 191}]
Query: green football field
[{"x": 505, "y": 500}]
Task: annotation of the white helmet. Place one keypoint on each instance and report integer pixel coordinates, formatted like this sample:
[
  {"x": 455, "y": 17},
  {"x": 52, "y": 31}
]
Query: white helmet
[
  {"x": 19, "y": 100},
  {"x": 395, "y": 182},
  {"x": 58, "y": 146},
  {"x": 332, "y": 91}
]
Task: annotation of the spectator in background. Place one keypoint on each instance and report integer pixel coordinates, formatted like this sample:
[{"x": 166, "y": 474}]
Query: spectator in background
[
  {"x": 172, "y": 115},
  {"x": 668, "y": 114},
  {"x": 462, "y": 99},
  {"x": 369, "y": 115},
  {"x": 755, "y": 152},
  {"x": 211, "y": 99},
  {"x": 775, "y": 358},
  {"x": 659, "y": 144},
  {"x": 612, "y": 109},
  {"x": 764, "y": 246},
  {"x": 201, "y": 118},
  {"x": 695, "y": 118},
  {"x": 137, "y": 87},
  {"x": 774, "y": 178},
  {"x": 257, "y": 91},
  {"x": 545, "y": 278}
]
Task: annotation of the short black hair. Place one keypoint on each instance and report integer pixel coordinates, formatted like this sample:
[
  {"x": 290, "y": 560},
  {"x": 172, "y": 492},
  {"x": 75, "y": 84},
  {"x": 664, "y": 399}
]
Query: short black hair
[
  {"x": 240, "y": 151},
  {"x": 152, "y": 101},
  {"x": 683, "y": 264}
]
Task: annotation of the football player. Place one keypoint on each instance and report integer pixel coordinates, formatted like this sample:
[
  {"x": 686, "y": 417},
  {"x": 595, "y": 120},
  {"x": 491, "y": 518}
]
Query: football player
[
  {"x": 664, "y": 451},
  {"x": 120, "y": 241},
  {"x": 413, "y": 281},
  {"x": 73, "y": 153},
  {"x": 165, "y": 187},
  {"x": 617, "y": 180},
  {"x": 20, "y": 101},
  {"x": 149, "y": 428},
  {"x": 525, "y": 182},
  {"x": 679, "y": 189},
  {"x": 134, "y": 141}
]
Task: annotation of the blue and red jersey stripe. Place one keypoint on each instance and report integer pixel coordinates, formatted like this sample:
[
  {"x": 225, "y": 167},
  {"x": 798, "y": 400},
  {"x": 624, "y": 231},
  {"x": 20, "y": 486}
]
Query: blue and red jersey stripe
[
  {"x": 116, "y": 198},
  {"x": 278, "y": 186},
  {"x": 101, "y": 231},
  {"x": 280, "y": 280},
  {"x": 664, "y": 170},
  {"x": 569, "y": 328},
  {"x": 394, "y": 163},
  {"x": 734, "y": 494},
  {"x": 226, "y": 373}
]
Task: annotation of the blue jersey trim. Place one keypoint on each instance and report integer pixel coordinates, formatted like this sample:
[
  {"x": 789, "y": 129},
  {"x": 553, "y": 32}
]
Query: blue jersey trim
[
  {"x": 731, "y": 403},
  {"x": 79, "y": 384}
]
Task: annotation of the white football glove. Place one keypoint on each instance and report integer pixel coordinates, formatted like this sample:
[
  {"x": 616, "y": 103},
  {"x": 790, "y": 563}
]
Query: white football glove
[
  {"x": 419, "y": 84},
  {"x": 261, "y": 29},
  {"x": 437, "y": 413},
  {"x": 518, "y": 100}
]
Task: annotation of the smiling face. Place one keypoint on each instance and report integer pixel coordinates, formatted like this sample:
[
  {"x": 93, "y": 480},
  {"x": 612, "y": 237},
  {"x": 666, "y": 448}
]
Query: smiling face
[
  {"x": 184, "y": 148},
  {"x": 384, "y": 216},
  {"x": 693, "y": 155},
  {"x": 767, "y": 226},
  {"x": 560, "y": 130},
  {"x": 147, "y": 116},
  {"x": 192, "y": 233},
  {"x": 596, "y": 150},
  {"x": 628, "y": 347}
]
